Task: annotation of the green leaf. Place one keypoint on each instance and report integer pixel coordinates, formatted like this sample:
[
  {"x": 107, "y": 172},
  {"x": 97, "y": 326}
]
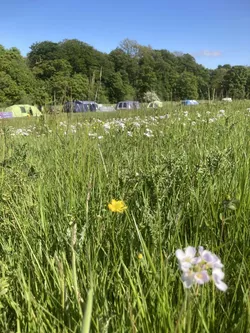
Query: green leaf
[
  {"x": 231, "y": 206},
  {"x": 88, "y": 312}
]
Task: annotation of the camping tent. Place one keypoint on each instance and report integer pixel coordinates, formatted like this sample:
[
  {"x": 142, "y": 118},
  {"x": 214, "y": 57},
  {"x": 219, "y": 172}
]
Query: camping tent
[
  {"x": 80, "y": 106},
  {"x": 106, "y": 108},
  {"x": 189, "y": 102},
  {"x": 127, "y": 105},
  {"x": 23, "y": 110},
  {"x": 155, "y": 104}
]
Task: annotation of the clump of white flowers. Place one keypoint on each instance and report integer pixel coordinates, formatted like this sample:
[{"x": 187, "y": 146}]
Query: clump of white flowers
[
  {"x": 200, "y": 267},
  {"x": 150, "y": 96}
]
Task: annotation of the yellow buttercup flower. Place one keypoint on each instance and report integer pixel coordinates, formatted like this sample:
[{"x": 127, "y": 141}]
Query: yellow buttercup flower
[
  {"x": 140, "y": 256},
  {"x": 117, "y": 206}
]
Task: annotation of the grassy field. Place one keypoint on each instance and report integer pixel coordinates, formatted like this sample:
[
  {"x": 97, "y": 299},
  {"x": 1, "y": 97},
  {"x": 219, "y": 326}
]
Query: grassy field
[{"x": 69, "y": 264}]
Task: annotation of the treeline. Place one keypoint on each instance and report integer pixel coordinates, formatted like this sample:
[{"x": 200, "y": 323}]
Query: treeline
[{"x": 71, "y": 69}]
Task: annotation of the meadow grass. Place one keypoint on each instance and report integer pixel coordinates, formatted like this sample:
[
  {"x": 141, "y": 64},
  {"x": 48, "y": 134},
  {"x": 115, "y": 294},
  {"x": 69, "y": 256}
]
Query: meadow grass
[{"x": 68, "y": 264}]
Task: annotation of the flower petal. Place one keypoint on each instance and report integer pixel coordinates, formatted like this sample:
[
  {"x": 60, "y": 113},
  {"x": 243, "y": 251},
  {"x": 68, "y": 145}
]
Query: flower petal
[
  {"x": 208, "y": 256},
  {"x": 200, "y": 249},
  {"x": 217, "y": 274},
  {"x": 221, "y": 285},
  {"x": 180, "y": 254},
  {"x": 190, "y": 251},
  {"x": 201, "y": 277},
  {"x": 187, "y": 279},
  {"x": 185, "y": 266}
]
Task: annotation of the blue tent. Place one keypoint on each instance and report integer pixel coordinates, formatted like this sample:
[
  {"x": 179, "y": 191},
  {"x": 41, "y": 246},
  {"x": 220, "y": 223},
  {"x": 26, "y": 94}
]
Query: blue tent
[
  {"x": 189, "y": 102},
  {"x": 80, "y": 106}
]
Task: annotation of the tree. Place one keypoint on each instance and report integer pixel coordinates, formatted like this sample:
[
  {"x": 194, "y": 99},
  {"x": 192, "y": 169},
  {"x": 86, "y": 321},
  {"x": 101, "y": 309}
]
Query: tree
[
  {"x": 81, "y": 56},
  {"x": 17, "y": 83},
  {"x": 78, "y": 88},
  {"x": 130, "y": 47},
  {"x": 164, "y": 67},
  {"x": 217, "y": 82},
  {"x": 235, "y": 82},
  {"x": 123, "y": 62},
  {"x": 10, "y": 93},
  {"x": 186, "y": 63},
  {"x": 187, "y": 86},
  {"x": 248, "y": 84},
  {"x": 146, "y": 77},
  {"x": 43, "y": 51},
  {"x": 48, "y": 68},
  {"x": 72, "y": 69},
  {"x": 146, "y": 81},
  {"x": 118, "y": 90}
]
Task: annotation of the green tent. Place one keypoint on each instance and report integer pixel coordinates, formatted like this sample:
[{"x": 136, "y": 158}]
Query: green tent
[{"x": 23, "y": 110}]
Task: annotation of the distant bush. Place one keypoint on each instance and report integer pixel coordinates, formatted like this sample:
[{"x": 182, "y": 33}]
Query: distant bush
[{"x": 150, "y": 96}]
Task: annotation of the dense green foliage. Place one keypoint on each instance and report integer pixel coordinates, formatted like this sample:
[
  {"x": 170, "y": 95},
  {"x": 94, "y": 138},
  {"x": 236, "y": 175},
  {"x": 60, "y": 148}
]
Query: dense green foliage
[{"x": 71, "y": 69}]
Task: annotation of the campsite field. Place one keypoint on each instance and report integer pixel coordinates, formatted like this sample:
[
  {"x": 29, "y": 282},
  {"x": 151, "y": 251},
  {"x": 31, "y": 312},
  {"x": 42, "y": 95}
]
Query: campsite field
[{"x": 69, "y": 264}]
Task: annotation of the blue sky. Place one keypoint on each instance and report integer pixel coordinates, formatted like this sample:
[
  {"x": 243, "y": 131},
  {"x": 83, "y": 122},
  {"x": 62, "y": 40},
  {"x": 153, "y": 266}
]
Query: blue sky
[{"x": 214, "y": 32}]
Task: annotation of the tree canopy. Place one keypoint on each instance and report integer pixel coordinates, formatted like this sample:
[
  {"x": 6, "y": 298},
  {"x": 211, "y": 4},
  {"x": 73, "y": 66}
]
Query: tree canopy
[{"x": 72, "y": 69}]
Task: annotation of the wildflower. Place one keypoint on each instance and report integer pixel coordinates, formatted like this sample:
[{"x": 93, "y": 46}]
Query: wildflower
[
  {"x": 188, "y": 279},
  {"x": 186, "y": 258},
  {"x": 212, "y": 120},
  {"x": 200, "y": 268},
  {"x": 149, "y": 135},
  {"x": 140, "y": 256},
  {"x": 136, "y": 124},
  {"x": 117, "y": 206},
  {"x": 121, "y": 124},
  {"x": 201, "y": 277},
  {"x": 130, "y": 133},
  {"x": 218, "y": 276},
  {"x": 209, "y": 259},
  {"x": 106, "y": 126}
]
